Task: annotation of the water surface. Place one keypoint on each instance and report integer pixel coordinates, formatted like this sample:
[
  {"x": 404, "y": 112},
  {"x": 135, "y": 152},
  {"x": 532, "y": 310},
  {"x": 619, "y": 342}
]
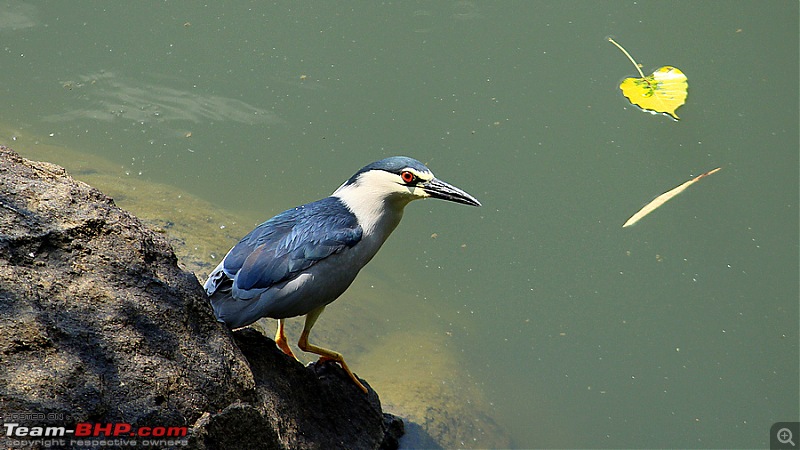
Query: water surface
[{"x": 570, "y": 331}]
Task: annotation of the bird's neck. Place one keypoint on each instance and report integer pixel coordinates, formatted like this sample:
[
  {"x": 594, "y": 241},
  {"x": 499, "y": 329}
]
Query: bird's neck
[{"x": 378, "y": 215}]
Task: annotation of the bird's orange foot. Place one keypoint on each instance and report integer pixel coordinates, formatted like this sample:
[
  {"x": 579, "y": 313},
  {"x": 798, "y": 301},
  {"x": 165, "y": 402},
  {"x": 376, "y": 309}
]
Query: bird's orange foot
[
  {"x": 280, "y": 340},
  {"x": 285, "y": 348}
]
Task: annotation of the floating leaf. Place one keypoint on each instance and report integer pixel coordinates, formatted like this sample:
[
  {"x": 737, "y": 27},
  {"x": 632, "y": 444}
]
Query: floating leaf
[
  {"x": 662, "y": 91},
  {"x": 666, "y": 196}
]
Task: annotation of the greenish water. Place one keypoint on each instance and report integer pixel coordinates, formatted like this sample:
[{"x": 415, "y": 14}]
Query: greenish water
[{"x": 681, "y": 331}]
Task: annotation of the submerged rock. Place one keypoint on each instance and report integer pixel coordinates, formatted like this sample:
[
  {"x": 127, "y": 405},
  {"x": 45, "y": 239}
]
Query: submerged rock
[
  {"x": 442, "y": 408},
  {"x": 98, "y": 323}
]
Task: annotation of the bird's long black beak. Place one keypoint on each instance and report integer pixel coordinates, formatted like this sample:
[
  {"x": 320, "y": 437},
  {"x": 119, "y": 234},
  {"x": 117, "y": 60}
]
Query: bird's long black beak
[{"x": 437, "y": 188}]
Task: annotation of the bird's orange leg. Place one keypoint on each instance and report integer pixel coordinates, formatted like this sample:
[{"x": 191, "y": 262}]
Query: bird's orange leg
[
  {"x": 280, "y": 340},
  {"x": 324, "y": 353}
]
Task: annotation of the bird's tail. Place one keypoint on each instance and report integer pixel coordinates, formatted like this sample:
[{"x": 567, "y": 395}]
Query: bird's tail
[
  {"x": 234, "y": 313},
  {"x": 218, "y": 281}
]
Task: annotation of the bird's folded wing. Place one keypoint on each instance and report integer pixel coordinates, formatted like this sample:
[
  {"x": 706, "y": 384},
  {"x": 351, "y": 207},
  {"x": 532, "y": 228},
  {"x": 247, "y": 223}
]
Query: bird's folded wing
[{"x": 280, "y": 248}]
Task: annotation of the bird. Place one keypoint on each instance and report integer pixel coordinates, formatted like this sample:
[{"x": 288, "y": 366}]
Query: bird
[{"x": 304, "y": 258}]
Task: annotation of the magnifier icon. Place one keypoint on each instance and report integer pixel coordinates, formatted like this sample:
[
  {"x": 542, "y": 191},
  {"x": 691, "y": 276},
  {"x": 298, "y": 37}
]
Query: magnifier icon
[{"x": 784, "y": 436}]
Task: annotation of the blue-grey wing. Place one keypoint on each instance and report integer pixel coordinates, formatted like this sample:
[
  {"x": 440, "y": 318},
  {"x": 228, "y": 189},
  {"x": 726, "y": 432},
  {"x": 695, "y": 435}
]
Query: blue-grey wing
[{"x": 294, "y": 240}]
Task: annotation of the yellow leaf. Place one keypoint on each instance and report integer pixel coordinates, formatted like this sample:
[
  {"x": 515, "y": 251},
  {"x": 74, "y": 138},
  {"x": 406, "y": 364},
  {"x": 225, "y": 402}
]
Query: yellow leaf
[{"x": 663, "y": 91}]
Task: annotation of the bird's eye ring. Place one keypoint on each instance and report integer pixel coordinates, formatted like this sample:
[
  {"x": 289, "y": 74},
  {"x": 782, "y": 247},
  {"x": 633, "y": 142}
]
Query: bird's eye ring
[{"x": 407, "y": 176}]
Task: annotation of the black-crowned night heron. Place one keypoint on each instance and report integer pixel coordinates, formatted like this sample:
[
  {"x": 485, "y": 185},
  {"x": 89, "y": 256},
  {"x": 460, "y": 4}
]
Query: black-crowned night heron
[{"x": 304, "y": 258}]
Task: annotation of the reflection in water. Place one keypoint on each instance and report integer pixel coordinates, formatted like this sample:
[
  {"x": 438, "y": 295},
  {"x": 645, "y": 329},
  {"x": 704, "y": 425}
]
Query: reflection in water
[
  {"x": 17, "y": 16},
  {"x": 109, "y": 96},
  {"x": 466, "y": 10}
]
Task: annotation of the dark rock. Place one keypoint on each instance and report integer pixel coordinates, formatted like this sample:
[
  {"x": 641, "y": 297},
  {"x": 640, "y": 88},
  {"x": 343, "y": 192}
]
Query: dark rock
[
  {"x": 98, "y": 323},
  {"x": 314, "y": 404},
  {"x": 240, "y": 425}
]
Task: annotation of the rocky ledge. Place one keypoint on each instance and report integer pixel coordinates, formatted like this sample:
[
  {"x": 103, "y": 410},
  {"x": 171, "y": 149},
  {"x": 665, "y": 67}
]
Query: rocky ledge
[{"x": 99, "y": 324}]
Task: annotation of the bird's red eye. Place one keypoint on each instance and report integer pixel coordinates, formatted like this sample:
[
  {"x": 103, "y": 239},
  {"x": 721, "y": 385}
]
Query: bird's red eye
[{"x": 407, "y": 176}]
